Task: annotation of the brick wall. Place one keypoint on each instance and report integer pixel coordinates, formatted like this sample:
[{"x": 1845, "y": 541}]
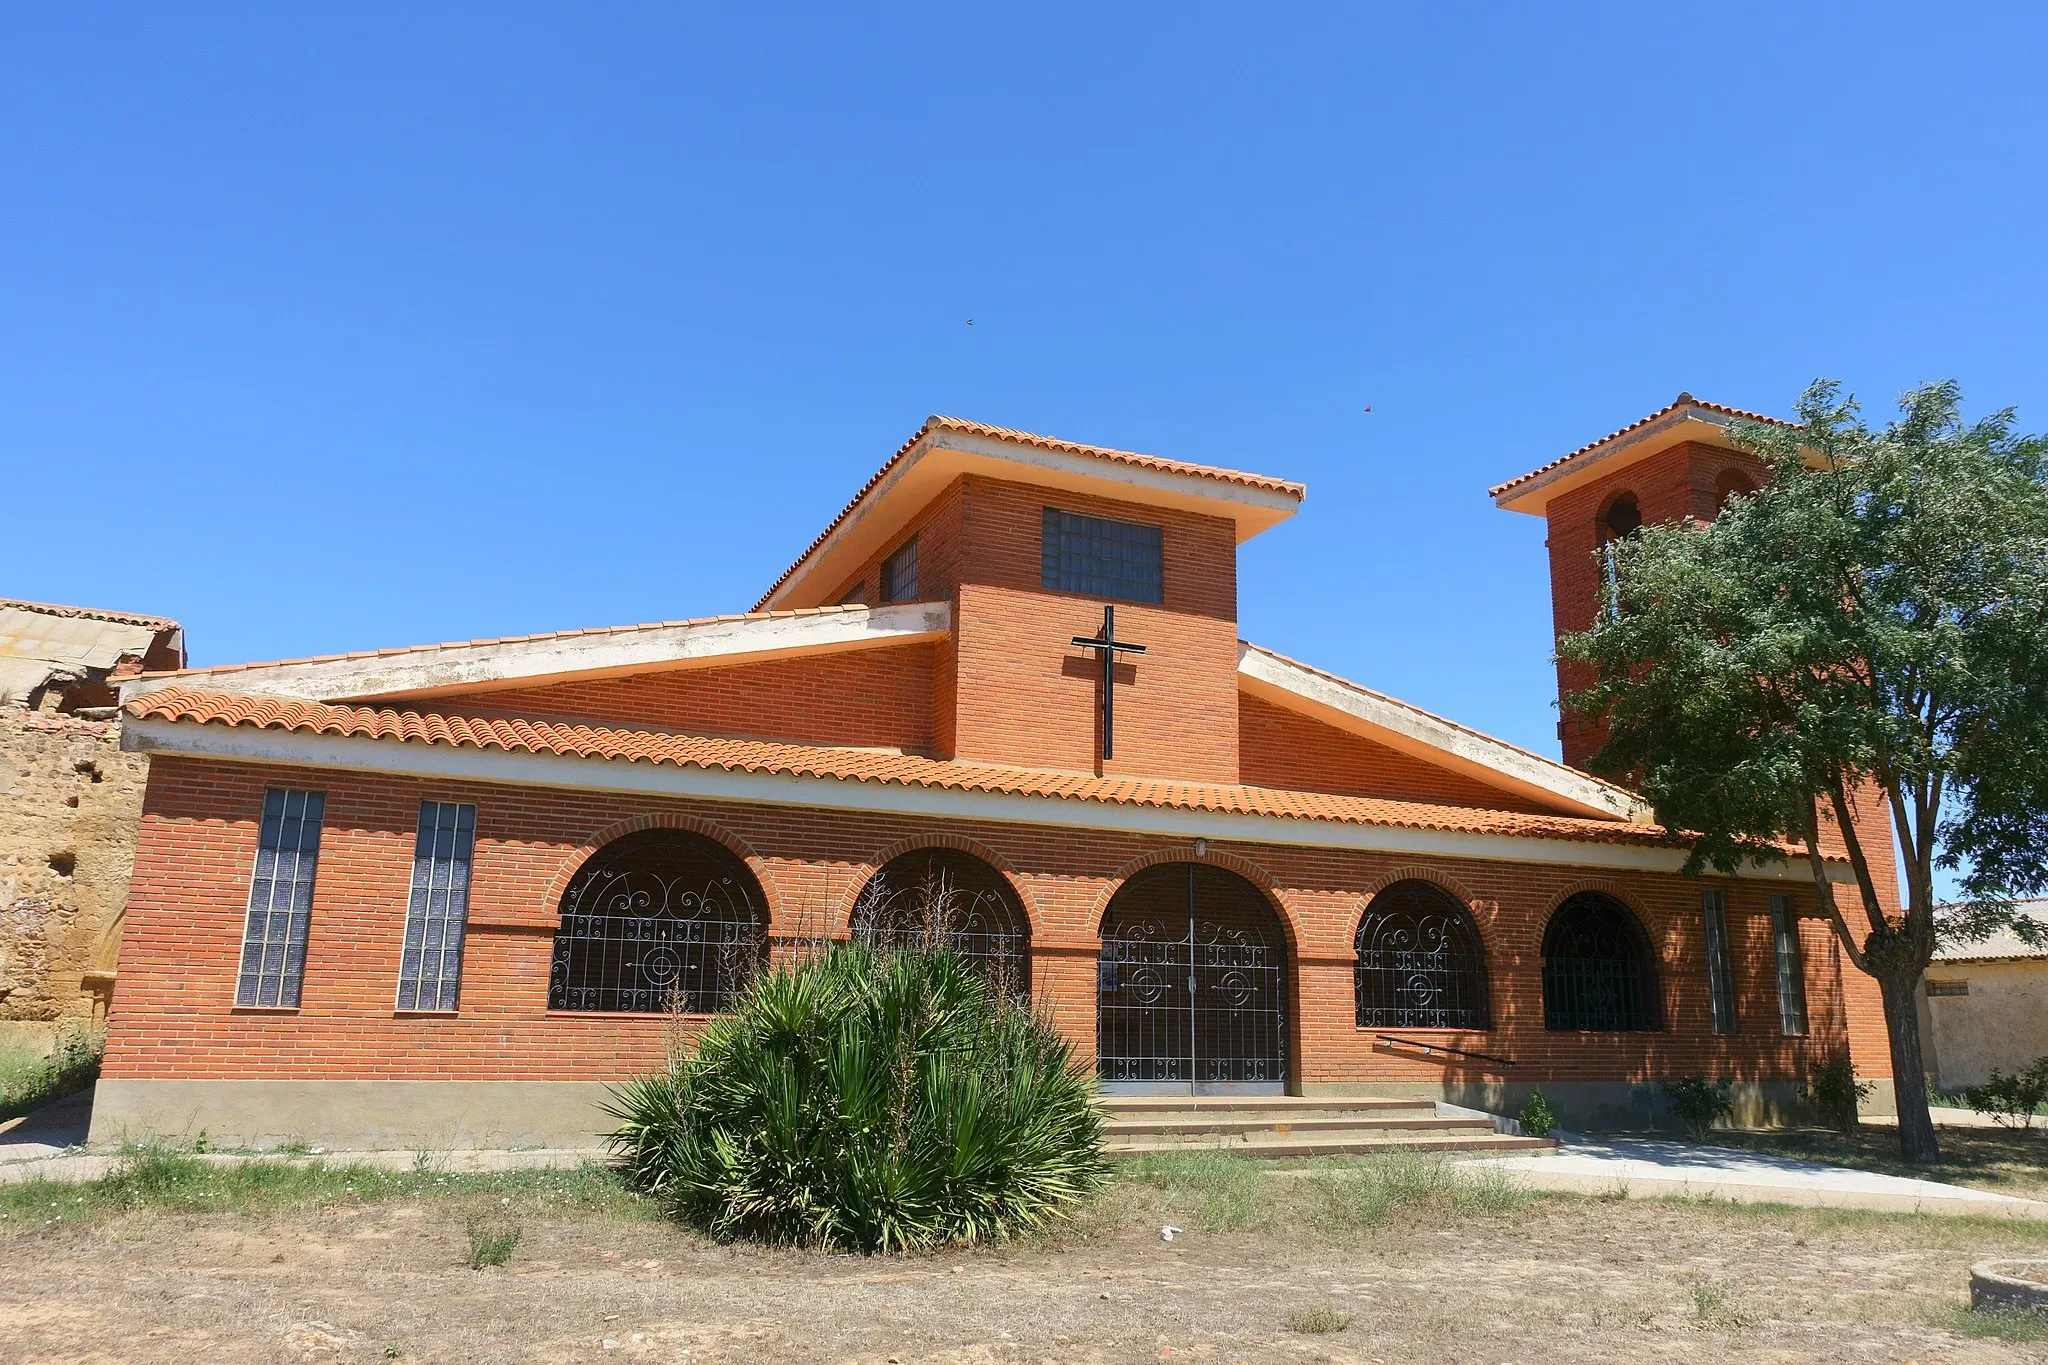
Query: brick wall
[
  {"x": 1280, "y": 748},
  {"x": 874, "y": 697},
  {"x": 175, "y": 1016}
]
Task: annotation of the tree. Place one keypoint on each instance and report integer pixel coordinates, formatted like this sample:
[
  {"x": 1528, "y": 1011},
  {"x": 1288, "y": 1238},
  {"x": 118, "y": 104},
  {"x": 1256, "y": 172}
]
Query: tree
[{"x": 1871, "y": 625}]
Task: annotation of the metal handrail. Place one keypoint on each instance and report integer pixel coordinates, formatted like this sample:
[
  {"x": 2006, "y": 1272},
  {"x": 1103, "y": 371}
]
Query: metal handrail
[{"x": 1433, "y": 1049}]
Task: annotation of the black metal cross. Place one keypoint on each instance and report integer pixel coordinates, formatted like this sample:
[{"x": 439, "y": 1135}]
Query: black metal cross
[{"x": 1108, "y": 646}]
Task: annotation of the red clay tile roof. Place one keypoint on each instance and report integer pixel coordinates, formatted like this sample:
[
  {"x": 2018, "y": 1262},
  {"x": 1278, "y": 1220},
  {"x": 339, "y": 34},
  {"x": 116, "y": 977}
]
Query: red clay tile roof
[
  {"x": 126, "y": 618},
  {"x": 211, "y": 669},
  {"x": 967, "y": 428},
  {"x": 517, "y": 735},
  {"x": 1683, "y": 400}
]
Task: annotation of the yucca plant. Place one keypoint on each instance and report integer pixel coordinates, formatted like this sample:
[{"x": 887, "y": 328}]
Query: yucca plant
[{"x": 868, "y": 1100}]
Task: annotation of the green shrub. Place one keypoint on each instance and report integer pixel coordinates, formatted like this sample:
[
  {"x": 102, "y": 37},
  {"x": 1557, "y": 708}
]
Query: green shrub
[
  {"x": 2011, "y": 1101},
  {"x": 1322, "y": 1318},
  {"x": 1834, "y": 1090},
  {"x": 871, "y": 1100},
  {"x": 30, "y": 1080},
  {"x": 1536, "y": 1117},
  {"x": 491, "y": 1242},
  {"x": 1699, "y": 1103}
]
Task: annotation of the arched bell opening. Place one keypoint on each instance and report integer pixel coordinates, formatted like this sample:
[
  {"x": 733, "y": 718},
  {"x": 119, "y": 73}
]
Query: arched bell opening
[{"x": 1192, "y": 986}]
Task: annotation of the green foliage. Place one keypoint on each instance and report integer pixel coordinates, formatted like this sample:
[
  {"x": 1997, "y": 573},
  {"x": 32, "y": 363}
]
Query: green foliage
[
  {"x": 1874, "y": 619},
  {"x": 2011, "y": 1101},
  {"x": 1219, "y": 1191},
  {"x": 1834, "y": 1090},
  {"x": 1994, "y": 1324},
  {"x": 491, "y": 1241},
  {"x": 31, "y": 1079},
  {"x": 1699, "y": 1103},
  {"x": 1536, "y": 1118},
  {"x": 868, "y": 1100},
  {"x": 1320, "y": 1319}
]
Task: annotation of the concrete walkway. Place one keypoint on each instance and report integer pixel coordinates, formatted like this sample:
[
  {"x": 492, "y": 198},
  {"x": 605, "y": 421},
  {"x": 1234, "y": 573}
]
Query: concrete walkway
[
  {"x": 1641, "y": 1168},
  {"x": 49, "y": 1131}
]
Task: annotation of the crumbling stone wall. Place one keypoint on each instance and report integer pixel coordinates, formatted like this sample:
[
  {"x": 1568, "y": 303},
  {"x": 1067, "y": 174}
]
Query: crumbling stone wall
[{"x": 69, "y": 804}]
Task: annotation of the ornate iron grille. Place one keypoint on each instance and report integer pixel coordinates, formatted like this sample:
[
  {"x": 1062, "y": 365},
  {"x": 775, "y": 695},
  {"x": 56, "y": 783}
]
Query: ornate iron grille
[
  {"x": 1420, "y": 964},
  {"x": 1191, "y": 985},
  {"x": 1597, "y": 969},
  {"x": 943, "y": 896},
  {"x": 656, "y": 919}
]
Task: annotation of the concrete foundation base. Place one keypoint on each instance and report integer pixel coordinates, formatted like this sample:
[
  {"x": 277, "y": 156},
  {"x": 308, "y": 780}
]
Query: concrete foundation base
[
  {"x": 1608, "y": 1106},
  {"x": 354, "y": 1115}
]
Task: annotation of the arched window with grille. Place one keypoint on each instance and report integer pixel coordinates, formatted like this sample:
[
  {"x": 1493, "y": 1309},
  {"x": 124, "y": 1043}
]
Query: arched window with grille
[
  {"x": 1420, "y": 961},
  {"x": 657, "y": 920},
  {"x": 1599, "y": 969},
  {"x": 942, "y": 896}
]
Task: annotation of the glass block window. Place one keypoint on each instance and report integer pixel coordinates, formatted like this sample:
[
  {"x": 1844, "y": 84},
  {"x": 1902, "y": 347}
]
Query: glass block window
[
  {"x": 1100, "y": 557},
  {"x": 280, "y": 899},
  {"x": 1791, "y": 972},
  {"x": 430, "y": 969},
  {"x": 1720, "y": 970},
  {"x": 899, "y": 573}
]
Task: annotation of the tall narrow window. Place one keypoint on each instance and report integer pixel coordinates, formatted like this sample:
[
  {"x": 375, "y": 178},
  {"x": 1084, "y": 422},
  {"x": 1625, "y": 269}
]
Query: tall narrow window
[
  {"x": 1720, "y": 971},
  {"x": 899, "y": 573},
  {"x": 1791, "y": 971},
  {"x": 1101, "y": 557},
  {"x": 430, "y": 970},
  {"x": 280, "y": 899}
]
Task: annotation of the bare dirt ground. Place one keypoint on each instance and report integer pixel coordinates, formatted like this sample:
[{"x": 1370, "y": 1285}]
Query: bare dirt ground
[{"x": 1553, "y": 1280}]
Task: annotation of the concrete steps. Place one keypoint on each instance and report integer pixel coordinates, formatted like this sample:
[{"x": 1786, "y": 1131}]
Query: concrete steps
[{"x": 1297, "y": 1126}]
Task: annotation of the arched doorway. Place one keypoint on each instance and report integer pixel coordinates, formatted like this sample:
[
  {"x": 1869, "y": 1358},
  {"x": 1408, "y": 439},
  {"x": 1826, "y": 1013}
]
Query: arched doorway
[
  {"x": 941, "y": 895},
  {"x": 658, "y": 919},
  {"x": 1191, "y": 987}
]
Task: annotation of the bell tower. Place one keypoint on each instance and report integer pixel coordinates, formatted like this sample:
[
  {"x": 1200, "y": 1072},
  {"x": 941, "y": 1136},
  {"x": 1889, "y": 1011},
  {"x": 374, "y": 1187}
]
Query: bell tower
[{"x": 1678, "y": 462}]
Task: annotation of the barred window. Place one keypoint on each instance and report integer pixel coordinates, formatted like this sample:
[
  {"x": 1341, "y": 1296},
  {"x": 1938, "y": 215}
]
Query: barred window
[
  {"x": 1100, "y": 557},
  {"x": 899, "y": 573},
  {"x": 1720, "y": 970},
  {"x": 1419, "y": 961},
  {"x": 280, "y": 899},
  {"x": 1791, "y": 971},
  {"x": 430, "y": 970},
  {"x": 1599, "y": 971},
  {"x": 1935, "y": 988},
  {"x": 658, "y": 919}
]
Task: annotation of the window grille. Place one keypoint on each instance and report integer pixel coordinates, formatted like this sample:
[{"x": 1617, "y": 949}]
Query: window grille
[
  {"x": 430, "y": 968},
  {"x": 1100, "y": 557},
  {"x": 899, "y": 573},
  {"x": 943, "y": 896},
  {"x": 1935, "y": 988},
  {"x": 1791, "y": 971},
  {"x": 1420, "y": 964},
  {"x": 657, "y": 918},
  {"x": 1598, "y": 973},
  {"x": 280, "y": 899},
  {"x": 1720, "y": 970}
]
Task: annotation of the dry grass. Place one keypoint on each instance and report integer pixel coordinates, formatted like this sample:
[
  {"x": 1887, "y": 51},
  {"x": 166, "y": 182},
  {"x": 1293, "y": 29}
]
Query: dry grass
[
  {"x": 2004, "y": 1160},
  {"x": 176, "y": 1261}
]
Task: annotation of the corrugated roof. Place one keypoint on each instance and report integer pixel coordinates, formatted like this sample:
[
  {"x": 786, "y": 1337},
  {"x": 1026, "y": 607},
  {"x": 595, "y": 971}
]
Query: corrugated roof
[
  {"x": 1683, "y": 400},
  {"x": 524, "y": 735},
  {"x": 967, "y": 428},
  {"x": 2004, "y": 944}
]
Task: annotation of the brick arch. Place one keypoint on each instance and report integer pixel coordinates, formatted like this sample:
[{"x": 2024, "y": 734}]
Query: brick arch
[
  {"x": 842, "y": 914},
  {"x": 1268, "y": 886},
  {"x": 1605, "y": 888},
  {"x": 1414, "y": 872},
  {"x": 771, "y": 892}
]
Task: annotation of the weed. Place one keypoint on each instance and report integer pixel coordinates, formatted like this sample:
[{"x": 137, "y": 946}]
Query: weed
[
  {"x": 491, "y": 1241},
  {"x": 1713, "y": 1303},
  {"x": 1999, "y": 1324},
  {"x": 1321, "y": 1318},
  {"x": 1227, "y": 1190},
  {"x": 30, "y": 1079},
  {"x": 1537, "y": 1119}
]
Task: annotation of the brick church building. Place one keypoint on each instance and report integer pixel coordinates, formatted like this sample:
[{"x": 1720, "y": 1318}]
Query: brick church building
[{"x": 443, "y": 895}]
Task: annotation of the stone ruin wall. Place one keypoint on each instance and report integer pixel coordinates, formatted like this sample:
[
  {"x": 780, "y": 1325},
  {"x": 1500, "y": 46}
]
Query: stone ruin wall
[{"x": 69, "y": 804}]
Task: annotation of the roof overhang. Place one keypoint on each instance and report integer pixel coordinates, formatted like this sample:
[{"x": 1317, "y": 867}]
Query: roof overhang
[
  {"x": 1410, "y": 730},
  {"x": 1690, "y": 422},
  {"x": 940, "y": 455},
  {"x": 449, "y": 762},
  {"x": 488, "y": 665}
]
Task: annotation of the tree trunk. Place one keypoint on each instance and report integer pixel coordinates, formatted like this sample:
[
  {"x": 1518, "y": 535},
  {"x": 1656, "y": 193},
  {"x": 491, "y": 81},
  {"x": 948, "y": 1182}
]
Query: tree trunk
[{"x": 1909, "y": 1075}]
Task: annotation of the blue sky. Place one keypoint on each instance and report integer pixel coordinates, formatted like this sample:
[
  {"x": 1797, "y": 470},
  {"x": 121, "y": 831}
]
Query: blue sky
[{"x": 326, "y": 329}]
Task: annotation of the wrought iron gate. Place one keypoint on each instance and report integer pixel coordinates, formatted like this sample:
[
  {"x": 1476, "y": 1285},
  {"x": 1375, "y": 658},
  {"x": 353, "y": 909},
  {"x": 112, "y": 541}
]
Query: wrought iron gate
[{"x": 1191, "y": 987}]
